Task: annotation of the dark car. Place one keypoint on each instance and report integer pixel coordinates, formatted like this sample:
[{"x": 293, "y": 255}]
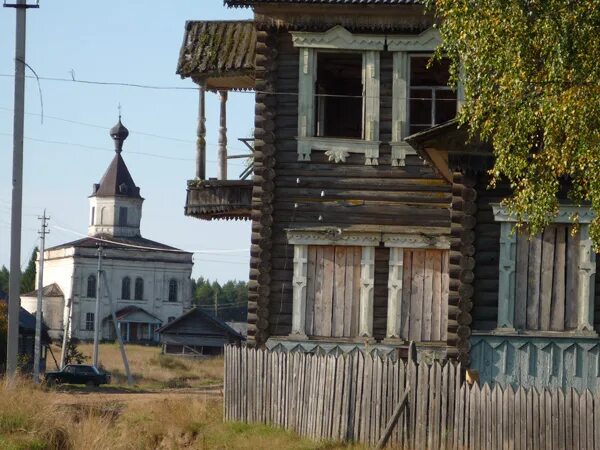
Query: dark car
[{"x": 78, "y": 374}]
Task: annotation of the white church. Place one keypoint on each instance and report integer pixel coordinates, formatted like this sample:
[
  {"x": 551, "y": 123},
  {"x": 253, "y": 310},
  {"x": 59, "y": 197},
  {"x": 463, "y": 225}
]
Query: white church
[{"x": 149, "y": 282}]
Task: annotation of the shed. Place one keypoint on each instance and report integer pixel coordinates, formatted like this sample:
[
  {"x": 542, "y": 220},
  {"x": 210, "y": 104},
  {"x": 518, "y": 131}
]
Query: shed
[
  {"x": 197, "y": 333},
  {"x": 26, "y": 339}
]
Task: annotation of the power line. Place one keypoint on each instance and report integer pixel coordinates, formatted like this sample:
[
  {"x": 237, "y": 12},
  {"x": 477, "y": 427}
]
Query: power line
[
  {"x": 141, "y": 133},
  {"x": 133, "y": 152},
  {"x": 142, "y": 247},
  {"x": 182, "y": 88}
]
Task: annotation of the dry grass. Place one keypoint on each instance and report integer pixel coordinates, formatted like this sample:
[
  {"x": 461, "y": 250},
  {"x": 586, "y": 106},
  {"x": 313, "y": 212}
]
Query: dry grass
[
  {"x": 150, "y": 369},
  {"x": 31, "y": 418}
]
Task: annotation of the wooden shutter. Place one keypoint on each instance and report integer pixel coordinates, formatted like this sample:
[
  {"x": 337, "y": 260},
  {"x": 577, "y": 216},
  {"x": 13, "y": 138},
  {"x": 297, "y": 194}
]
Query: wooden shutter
[
  {"x": 425, "y": 295},
  {"x": 332, "y": 291},
  {"x": 547, "y": 280}
]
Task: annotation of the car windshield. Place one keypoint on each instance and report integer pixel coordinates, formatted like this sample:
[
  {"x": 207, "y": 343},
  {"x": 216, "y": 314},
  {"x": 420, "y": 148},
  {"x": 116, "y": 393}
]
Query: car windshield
[{"x": 84, "y": 370}]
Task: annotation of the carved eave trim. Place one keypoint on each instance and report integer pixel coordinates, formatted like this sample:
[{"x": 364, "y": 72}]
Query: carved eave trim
[
  {"x": 333, "y": 236},
  {"x": 427, "y": 41},
  {"x": 337, "y": 150},
  {"x": 415, "y": 241},
  {"x": 565, "y": 214},
  {"x": 339, "y": 37}
]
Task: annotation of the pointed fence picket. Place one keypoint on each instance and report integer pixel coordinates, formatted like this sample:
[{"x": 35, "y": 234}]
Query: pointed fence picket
[{"x": 352, "y": 397}]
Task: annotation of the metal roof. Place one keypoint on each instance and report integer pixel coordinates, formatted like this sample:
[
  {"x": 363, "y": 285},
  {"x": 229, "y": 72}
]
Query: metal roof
[
  {"x": 216, "y": 50},
  {"x": 247, "y": 3},
  {"x": 52, "y": 290}
]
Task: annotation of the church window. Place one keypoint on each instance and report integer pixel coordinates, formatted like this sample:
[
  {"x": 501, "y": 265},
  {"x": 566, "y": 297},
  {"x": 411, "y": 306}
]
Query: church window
[
  {"x": 173, "y": 290},
  {"x": 89, "y": 321},
  {"x": 91, "y": 286},
  {"x": 139, "y": 289},
  {"x": 126, "y": 288},
  {"x": 93, "y": 214},
  {"x": 102, "y": 216},
  {"x": 122, "y": 216}
]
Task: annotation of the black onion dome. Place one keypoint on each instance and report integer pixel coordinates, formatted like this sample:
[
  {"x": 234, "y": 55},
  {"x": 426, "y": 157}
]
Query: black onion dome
[{"x": 119, "y": 133}]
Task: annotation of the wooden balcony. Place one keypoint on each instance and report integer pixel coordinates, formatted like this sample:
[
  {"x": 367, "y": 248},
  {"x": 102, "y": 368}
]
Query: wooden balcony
[{"x": 219, "y": 199}]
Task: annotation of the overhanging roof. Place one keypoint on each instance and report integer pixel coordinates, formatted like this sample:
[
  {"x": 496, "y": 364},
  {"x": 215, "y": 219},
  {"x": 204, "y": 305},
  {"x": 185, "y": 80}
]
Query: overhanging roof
[
  {"x": 221, "y": 53},
  {"x": 448, "y": 147}
]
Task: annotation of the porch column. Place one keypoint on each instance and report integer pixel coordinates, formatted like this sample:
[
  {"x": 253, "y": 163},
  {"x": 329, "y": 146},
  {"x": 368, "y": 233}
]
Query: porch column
[
  {"x": 507, "y": 279},
  {"x": 299, "y": 294},
  {"x": 201, "y": 133},
  {"x": 367, "y": 286},
  {"x": 586, "y": 276},
  {"x": 222, "y": 174},
  {"x": 394, "y": 312}
]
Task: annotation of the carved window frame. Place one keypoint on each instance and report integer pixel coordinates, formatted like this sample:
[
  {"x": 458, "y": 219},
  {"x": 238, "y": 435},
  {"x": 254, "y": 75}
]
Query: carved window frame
[
  {"x": 371, "y": 45},
  {"x": 369, "y": 241},
  {"x": 508, "y": 262}
]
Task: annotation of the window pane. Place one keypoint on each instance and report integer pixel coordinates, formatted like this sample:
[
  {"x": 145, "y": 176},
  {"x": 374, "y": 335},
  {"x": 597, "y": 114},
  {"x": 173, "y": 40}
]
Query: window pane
[
  {"x": 445, "y": 105},
  {"x": 435, "y": 75},
  {"x": 339, "y": 95},
  {"x": 420, "y": 108}
]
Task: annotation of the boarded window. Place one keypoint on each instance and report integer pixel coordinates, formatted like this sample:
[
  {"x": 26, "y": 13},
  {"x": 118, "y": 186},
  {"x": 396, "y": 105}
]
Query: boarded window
[
  {"x": 425, "y": 295},
  {"x": 546, "y": 281},
  {"x": 333, "y": 288}
]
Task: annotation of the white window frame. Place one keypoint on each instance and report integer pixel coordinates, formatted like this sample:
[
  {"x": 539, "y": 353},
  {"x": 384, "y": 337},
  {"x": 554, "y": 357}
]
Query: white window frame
[
  {"x": 586, "y": 267},
  {"x": 338, "y": 38},
  {"x": 369, "y": 241},
  {"x": 433, "y": 90},
  {"x": 87, "y": 322}
]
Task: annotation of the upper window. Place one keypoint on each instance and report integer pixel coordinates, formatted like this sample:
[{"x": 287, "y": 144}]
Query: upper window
[
  {"x": 431, "y": 100},
  {"x": 139, "y": 289},
  {"x": 93, "y": 215},
  {"x": 173, "y": 290},
  {"x": 339, "y": 95},
  {"x": 91, "y": 286},
  {"x": 126, "y": 288},
  {"x": 122, "y": 216},
  {"x": 89, "y": 321}
]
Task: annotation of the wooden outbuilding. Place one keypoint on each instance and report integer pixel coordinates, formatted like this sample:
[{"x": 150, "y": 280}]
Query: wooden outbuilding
[{"x": 197, "y": 333}]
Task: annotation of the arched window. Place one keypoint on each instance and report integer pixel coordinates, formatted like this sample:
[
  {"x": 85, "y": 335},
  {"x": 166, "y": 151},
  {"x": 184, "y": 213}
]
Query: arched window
[
  {"x": 139, "y": 289},
  {"x": 126, "y": 288},
  {"x": 173, "y": 290},
  {"x": 91, "y": 286},
  {"x": 93, "y": 215},
  {"x": 102, "y": 215}
]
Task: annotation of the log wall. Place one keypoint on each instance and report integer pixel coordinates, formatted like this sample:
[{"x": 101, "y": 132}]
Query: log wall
[{"x": 323, "y": 193}]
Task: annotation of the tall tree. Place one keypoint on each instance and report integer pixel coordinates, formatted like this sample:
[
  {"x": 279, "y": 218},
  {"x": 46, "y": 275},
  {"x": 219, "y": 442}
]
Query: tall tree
[
  {"x": 4, "y": 277},
  {"x": 28, "y": 277},
  {"x": 531, "y": 85}
]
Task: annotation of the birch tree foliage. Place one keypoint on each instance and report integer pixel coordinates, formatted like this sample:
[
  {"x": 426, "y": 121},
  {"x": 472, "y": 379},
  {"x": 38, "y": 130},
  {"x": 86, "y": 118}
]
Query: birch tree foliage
[{"x": 531, "y": 76}]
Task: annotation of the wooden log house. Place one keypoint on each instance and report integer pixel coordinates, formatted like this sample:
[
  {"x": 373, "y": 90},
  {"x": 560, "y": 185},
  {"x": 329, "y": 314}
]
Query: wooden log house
[{"x": 371, "y": 222}]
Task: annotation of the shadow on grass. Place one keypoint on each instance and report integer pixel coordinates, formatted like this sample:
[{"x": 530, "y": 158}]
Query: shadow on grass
[{"x": 104, "y": 389}]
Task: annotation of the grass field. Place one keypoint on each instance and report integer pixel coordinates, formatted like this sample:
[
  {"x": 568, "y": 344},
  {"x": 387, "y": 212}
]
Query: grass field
[
  {"x": 34, "y": 418},
  {"x": 152, "y": 370}
]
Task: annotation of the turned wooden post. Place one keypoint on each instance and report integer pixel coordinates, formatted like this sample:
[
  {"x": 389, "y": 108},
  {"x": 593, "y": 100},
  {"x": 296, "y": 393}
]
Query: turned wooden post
[
  {"x": 223, "y": 137},
  {"x": 201, "y": 133}
]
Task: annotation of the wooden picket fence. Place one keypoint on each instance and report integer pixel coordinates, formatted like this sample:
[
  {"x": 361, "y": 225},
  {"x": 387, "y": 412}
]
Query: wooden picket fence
[{"x": 351, "y": 398}]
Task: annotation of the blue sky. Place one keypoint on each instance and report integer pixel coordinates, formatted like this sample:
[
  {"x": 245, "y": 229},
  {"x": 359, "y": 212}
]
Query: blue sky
[{"x": 132, "y": 41}]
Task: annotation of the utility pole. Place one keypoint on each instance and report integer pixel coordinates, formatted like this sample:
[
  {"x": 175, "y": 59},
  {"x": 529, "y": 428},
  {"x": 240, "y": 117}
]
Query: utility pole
[
  {"x": 97, "y": 313},
  {"x": 40, "y": 295},
  {"x": 118, "y": 332},
  {"x": 63, "y": 353},
  {"x": 14, "y": 300},
  {"x": 216, "y": 304}
]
